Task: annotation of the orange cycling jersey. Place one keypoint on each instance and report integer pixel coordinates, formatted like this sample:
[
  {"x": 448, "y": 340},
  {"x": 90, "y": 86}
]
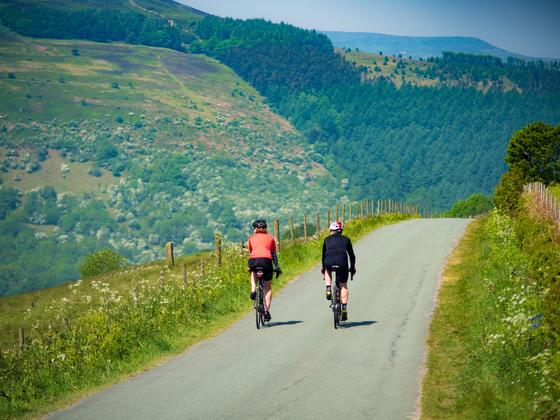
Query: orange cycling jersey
[{"x": 261, "y": 245}]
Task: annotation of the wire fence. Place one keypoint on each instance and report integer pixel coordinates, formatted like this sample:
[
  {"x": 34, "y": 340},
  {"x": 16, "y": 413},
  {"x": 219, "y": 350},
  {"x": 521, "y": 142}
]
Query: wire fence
[{"x": 546, "y": 203}]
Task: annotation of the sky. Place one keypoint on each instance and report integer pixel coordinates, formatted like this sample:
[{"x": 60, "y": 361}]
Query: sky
[{"x": 528, "y": 27}]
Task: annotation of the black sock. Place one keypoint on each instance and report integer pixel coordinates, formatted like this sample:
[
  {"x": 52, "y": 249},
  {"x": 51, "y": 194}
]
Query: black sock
[
  {"x": 344, "y": 306},
  {"x": 328, "y": 287}
]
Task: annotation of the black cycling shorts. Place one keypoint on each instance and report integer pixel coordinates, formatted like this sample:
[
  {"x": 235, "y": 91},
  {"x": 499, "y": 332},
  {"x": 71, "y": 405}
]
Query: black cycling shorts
[
  {"x": 341, "y": 274},
  {"x": 265, "y": 264}
]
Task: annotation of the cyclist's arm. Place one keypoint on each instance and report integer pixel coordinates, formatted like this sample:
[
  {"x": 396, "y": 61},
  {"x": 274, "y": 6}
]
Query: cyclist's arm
[
  {"x": 351, "y": 254},
  {"x": 275, "y": 261},
  {"x": 323, "y": 255}
]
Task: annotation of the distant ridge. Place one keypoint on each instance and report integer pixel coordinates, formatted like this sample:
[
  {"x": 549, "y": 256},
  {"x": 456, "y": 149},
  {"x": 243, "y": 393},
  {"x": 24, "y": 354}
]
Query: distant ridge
[{"x": 418, "y": 46}]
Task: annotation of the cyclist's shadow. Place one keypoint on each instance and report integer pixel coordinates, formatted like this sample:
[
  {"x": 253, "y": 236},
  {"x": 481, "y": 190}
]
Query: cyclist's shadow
[
  {"x": 352, "y": 324},
  {"x": 280, "y": 323}
]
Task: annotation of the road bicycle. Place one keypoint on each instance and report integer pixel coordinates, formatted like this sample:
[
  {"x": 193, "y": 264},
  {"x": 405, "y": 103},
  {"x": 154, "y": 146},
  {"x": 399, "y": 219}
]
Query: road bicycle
[{"x": 336, "y": 305}]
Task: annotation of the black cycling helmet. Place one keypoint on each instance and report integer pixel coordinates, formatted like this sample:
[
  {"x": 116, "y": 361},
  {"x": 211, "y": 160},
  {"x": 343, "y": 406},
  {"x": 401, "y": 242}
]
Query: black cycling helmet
[{"x": 259, "y": 224}]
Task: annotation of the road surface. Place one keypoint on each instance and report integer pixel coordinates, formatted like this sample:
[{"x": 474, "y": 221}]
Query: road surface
[{"x": 300, "y": 367}]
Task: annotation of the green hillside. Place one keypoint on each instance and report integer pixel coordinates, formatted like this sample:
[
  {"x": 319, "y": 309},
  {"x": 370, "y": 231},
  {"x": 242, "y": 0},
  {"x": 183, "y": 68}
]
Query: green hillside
[
  {"x": 129, "y": 147},
  {"x": 427, "y": 146},
  {"x": 158, "y": 144}
]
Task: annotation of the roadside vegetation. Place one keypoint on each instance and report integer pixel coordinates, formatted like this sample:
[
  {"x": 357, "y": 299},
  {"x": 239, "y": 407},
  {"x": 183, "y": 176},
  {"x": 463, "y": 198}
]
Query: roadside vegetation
[
  {"x": 96, "y": 331},
  {"x": 494, "y": 339},
  {"x": 475, "y": 205}
]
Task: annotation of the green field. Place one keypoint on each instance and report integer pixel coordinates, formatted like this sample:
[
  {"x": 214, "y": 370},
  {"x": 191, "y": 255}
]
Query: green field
[
  {"x": 400, "y": 70},
  {"x": 381, "y": 65}
]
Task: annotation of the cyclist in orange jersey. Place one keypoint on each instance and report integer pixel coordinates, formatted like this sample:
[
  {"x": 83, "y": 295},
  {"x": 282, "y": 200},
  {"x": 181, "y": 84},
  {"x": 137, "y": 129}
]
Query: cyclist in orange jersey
[{"x": 262, "y": 249}]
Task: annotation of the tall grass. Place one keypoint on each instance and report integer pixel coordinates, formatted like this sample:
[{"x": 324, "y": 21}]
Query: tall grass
[
  {"x": 493, "y": 347},
  {"x": 98, "y": 332}
]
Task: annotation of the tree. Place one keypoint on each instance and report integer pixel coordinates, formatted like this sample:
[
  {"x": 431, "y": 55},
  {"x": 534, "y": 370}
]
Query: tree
[{"x": 535, "y": 152}]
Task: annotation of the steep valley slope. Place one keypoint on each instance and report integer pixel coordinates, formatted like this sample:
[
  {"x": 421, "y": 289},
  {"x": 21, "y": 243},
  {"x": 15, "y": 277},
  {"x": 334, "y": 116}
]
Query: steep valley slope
[{"x": 132, "y": 146}]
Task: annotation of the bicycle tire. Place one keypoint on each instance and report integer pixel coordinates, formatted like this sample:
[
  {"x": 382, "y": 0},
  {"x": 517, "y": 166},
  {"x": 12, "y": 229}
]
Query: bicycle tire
[
  {"x": 336, "y": 303},
  {"x": 258, "y": 315},
  {"x": 263, "y": 321}
]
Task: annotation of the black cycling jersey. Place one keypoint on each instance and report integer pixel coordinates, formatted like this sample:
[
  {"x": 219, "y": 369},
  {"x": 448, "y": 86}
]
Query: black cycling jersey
[{"x": 336, "y": 247}]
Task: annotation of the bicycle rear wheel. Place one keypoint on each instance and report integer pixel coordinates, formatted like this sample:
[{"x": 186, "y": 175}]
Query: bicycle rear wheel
[
  {"x": 336, "y": 302},
  {"x": 258, "y": 303}
]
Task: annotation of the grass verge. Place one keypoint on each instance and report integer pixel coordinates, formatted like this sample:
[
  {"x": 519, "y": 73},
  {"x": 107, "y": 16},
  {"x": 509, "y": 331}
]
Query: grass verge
[
  {"x": 100, "y": 331},
  {"x": 490, "y": 348}
]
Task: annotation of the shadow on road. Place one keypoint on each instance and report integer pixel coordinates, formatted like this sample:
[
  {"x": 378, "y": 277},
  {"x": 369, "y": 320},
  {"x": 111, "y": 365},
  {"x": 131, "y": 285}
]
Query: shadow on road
[
  {"x": 357, "y": 324},
  {"x": 277, "y": 324}
]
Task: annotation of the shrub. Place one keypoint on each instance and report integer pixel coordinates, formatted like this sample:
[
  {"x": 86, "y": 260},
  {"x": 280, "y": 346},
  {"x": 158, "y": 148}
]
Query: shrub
[
  {"x": 475, "y": 205},
  {"x": 506, "y": 195},
  {"x": 102, "y": 261},
  {"x": 96, "y": 172},
  {"x": 75, "y": 52}
]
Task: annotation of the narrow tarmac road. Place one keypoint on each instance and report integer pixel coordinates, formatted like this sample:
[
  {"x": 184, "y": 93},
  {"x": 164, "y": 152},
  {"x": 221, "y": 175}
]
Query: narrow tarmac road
[{"x": 300, "y": 367}]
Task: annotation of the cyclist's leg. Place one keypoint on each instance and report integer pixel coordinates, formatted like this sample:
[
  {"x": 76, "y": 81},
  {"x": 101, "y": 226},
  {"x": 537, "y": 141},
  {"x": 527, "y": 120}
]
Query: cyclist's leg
[
  {"x": 253, "y": 282},
  {"x": 344, "y": 293},
  {"x": 267, "y": 294},
  {"x": 328, "y": 277}
]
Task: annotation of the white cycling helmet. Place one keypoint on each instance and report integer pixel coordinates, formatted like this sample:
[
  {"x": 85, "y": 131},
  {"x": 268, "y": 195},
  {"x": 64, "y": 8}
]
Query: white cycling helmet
[{"x": 336, "y": 225}]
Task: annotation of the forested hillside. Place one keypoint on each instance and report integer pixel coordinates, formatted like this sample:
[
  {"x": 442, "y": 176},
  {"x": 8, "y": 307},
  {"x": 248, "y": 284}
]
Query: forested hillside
[{"x": 428, "y": 146}]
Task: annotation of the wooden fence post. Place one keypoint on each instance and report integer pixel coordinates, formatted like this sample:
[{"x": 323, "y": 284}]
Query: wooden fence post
[
  {"x": 169, "y": 254},
  {"x": 328, "y": 218},
  {"x": 21, "y": 338},
  {"x": 277, "y": 234},
  {"x": 184, "y": 276},
  {"x": 202, "y": 271},
  {"x": 305, "y": 226},
  {"x": 318, "y": 226},
  {"x": 292, "y": 230},
  {"x": 350, "y": 212},
  {"x": 336, "y": 213},
  {"x": 361, "y": 210},
  {"x": 136, "y": 295},
  {"x": 218, "y": 240},
  {"x": 66, "y": 323}
]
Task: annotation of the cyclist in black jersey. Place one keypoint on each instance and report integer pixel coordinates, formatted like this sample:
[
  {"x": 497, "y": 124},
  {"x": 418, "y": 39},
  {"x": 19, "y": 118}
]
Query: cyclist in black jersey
[{"x": 337, "y": 248}]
